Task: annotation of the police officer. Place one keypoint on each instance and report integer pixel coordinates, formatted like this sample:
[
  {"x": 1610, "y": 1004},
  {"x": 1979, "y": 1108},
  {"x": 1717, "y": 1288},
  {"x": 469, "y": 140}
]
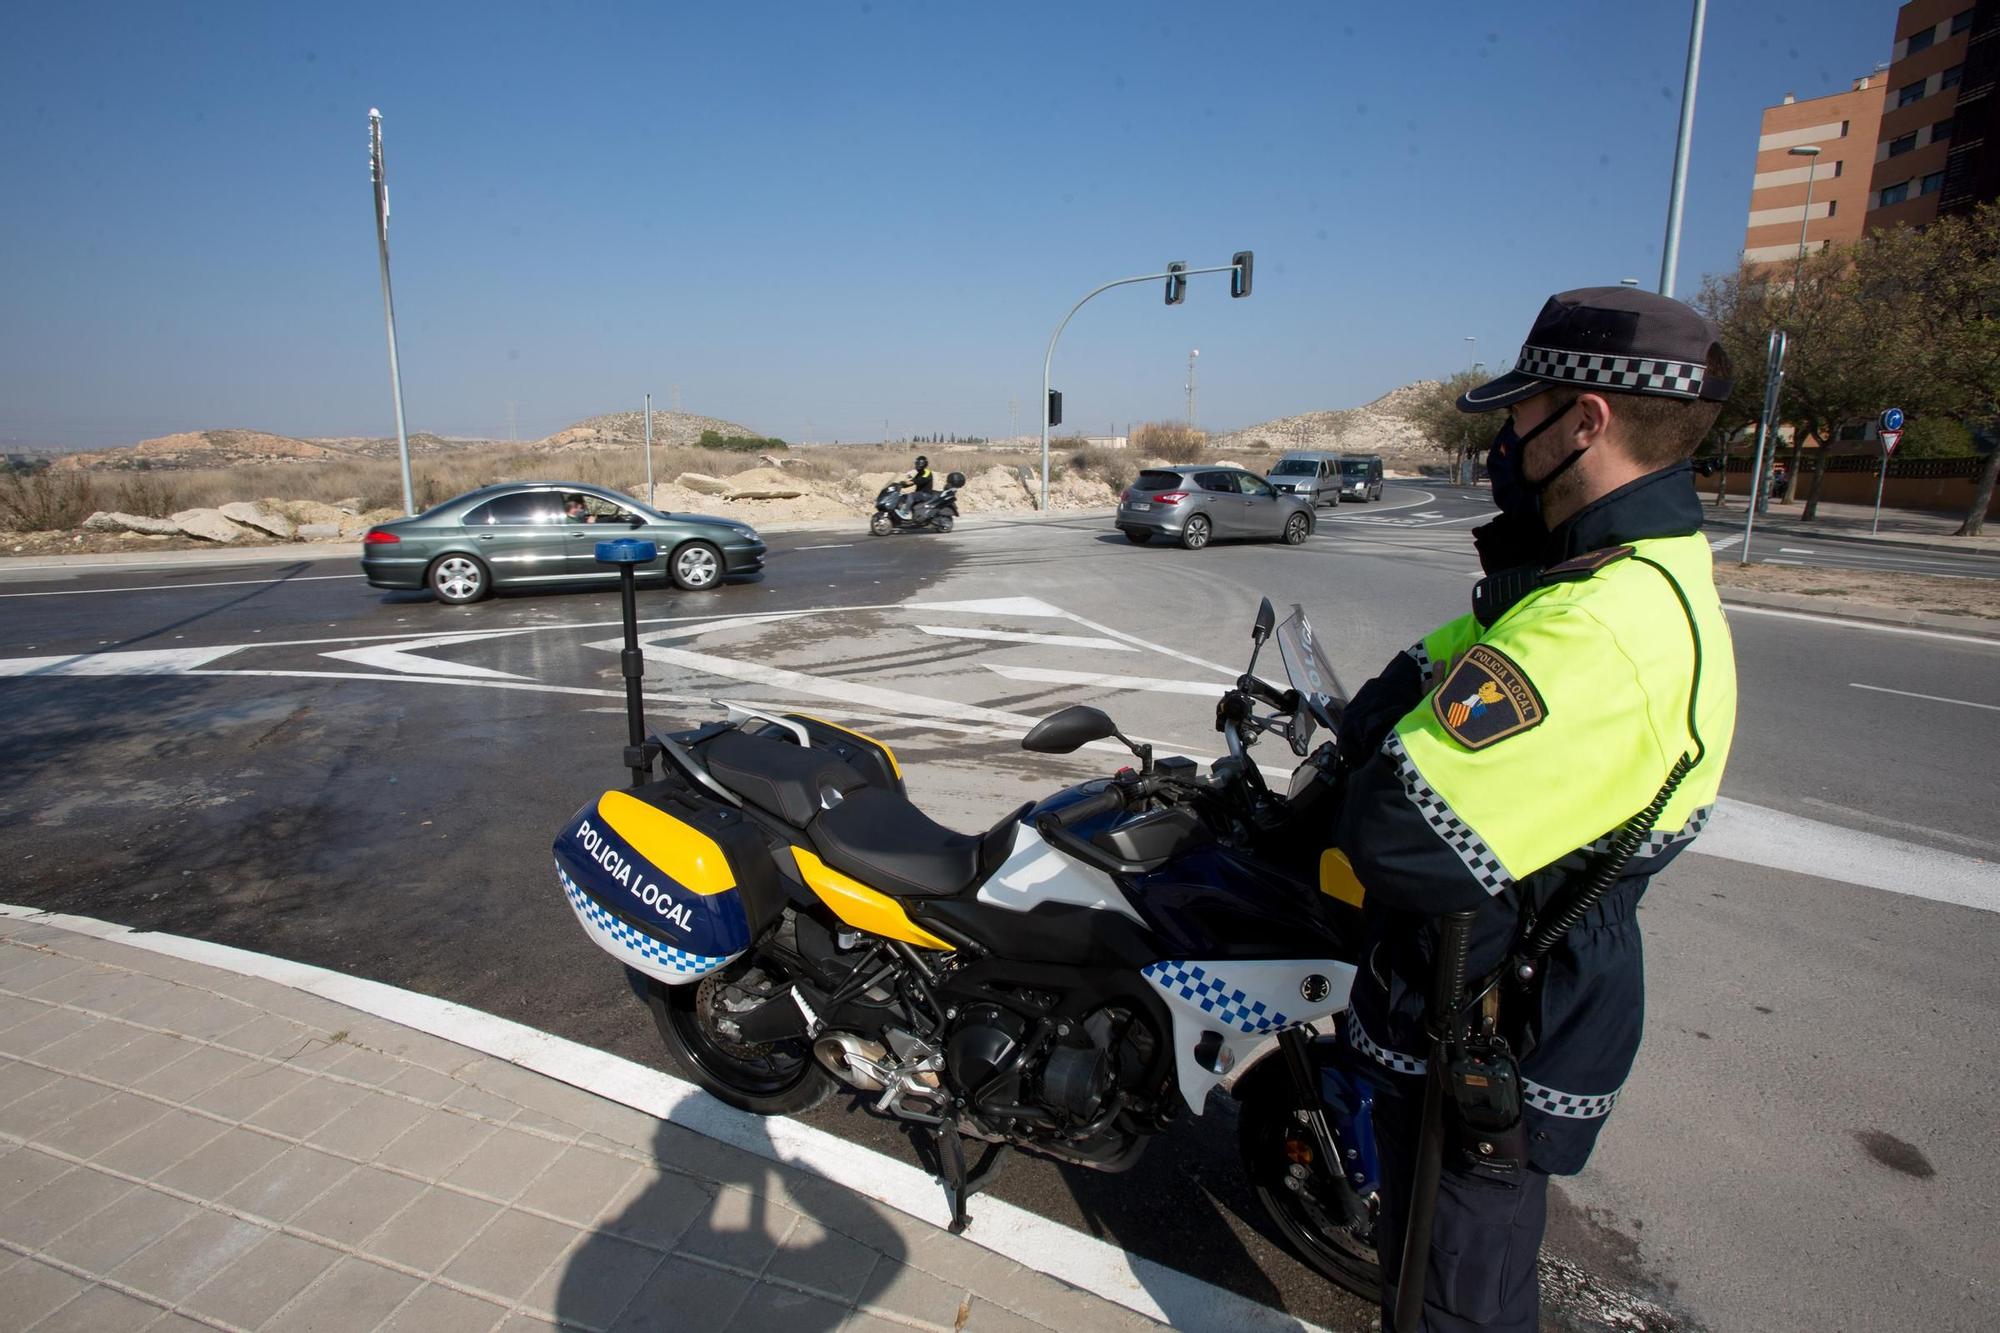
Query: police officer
[{"x": 1498, "y": 757}]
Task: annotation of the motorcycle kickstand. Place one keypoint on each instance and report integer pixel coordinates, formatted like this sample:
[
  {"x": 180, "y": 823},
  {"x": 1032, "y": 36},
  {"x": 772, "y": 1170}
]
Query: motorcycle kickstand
[{"x": 959, "y": 1183}]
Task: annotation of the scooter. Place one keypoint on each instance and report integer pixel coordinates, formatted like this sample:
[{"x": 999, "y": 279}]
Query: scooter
[
  {"x": 1067, "y": 983},
  {"x": 934, "y": 511}
]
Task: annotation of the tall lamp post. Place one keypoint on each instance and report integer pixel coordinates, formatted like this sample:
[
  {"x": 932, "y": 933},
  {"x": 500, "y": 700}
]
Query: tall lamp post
[
  {"x": 380, "y": 177},
  {"x": 1670, "y": 253},
  {"x": 1176, "y": 277},
  {"x": 1761, "y": 501}
]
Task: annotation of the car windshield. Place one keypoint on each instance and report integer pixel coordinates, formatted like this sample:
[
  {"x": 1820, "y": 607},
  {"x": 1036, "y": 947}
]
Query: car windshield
[
  {"x": 1353, "y": 469},
  {"x": 1295, "y": 467}
]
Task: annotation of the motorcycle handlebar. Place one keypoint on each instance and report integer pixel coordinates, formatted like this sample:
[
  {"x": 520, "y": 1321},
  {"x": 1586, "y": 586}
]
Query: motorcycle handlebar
[{"x": 1110, "y": 799}]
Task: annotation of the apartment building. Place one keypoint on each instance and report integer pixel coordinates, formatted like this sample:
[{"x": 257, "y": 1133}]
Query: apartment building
[
  {"x": 1927, "y": 67},
  {"x": 1843, "y": 127}
]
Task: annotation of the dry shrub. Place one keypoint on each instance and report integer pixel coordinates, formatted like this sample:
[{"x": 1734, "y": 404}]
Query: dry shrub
[
  {"x": 45, "y": 500},
  {"x": 149, "y": 494},
  {"x": 1173, "y": 441},
  {"x": 1113, "y": 467}
]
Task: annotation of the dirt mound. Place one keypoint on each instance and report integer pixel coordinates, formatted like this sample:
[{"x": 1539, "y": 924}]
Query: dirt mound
[
  {"x": 205, "y": 448},
  {"x": 1379, "y": 427},
  {"x": 622, "y": 429}
]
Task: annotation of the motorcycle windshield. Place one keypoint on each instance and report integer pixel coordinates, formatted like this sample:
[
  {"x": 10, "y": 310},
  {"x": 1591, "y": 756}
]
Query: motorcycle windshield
[{"x": 1307, "y": 669}]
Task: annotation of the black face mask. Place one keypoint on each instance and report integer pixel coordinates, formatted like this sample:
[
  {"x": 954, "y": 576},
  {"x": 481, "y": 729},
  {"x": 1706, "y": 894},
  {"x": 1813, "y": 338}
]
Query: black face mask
[{"x": 1513, "y": 491}]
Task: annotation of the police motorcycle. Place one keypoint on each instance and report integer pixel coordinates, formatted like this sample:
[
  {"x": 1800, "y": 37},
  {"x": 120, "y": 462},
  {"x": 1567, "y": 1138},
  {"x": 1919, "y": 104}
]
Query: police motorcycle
[
  {"x": 1066, "y": 983},
  {"x": 925, "y": 511}
]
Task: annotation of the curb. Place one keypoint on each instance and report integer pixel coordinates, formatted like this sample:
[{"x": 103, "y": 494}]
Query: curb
[
  {"x": 1862, "y": 612},
  {"x": 1094, "y": 1266}
]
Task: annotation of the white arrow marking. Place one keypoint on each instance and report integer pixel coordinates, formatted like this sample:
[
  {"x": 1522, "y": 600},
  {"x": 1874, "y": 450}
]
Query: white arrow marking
[
  {"x": 401, "y": 656},
  {"x": 1021, "y": 636},
  {"x": 996, "y": 606},
  {"x": 1100, "y": 681},
  {"x": 147, "y": 662}
]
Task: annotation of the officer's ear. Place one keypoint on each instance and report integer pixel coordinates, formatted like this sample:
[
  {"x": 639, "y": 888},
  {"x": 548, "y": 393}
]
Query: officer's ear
[{"x": 1594, "y": 420}]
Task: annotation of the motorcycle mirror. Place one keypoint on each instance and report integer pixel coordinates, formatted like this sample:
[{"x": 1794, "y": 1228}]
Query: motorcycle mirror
[
  {"x": 1069, "y": 729},
  {"x": 1266, "y": 618}
]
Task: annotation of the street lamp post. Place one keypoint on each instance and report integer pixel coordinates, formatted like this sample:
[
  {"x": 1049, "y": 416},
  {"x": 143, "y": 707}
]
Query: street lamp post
[
  {"x": 1760, "y": 500},
  {"x": 381, "y": 181},
  {"x": 1240, "y": 266},
  {"x": 1670, "y": 254}
]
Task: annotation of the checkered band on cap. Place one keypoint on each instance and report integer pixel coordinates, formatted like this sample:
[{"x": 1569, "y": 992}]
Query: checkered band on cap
[
  {"x": 1633, "y": 374},
  {"x": 1459, "y": 836}
]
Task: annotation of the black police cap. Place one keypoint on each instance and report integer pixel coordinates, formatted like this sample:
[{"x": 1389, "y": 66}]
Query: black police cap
[{"x": 1614, "y": 339}]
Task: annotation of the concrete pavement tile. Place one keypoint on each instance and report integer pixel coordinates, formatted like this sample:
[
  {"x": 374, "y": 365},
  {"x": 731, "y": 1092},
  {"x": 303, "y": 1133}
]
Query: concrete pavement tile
[
  {"x": 1056, "y": 1304},
  {"x": 655, "y": 1209},
  {"x": 740, "y": 1229},
  {"x": 256, "y": 1085},
  {"x": 101, "y": 1124},
  {"x": 362, "y": 1065},
  {"x": 290, "y": 1181},
  {"x": 593, "y": 1282},
  {"x": 30, "y": 1289},
  {"x": 17, "y": 1080},
  {"x": 169, "y": 1322},
  {"x": 964, "y": 1262},
  {"x": 51, "y": 1025},
  {"x": 21, "y": 970},
  {"x": 214, "y": 1169},
  {"x": 115, "y": 1234},
  {"x": 547, "y": 1125},
  {"x": 144, "y": 1054},
  {"x": 523, "y": 1323},
  {"x": 986, "y": 1317},
  {"x": 168, "y": 1140},
  {"x": 100, "y": 1310},
  {"x": 296, "y": 1114},
  {"x": 578, "y": 1184},
  {"x": 682, "y": 1296},
  {"x": 629, "y": 1129},
  {"x": 197, "y": 1071},
  {"x": 36, "y": 1219},
  {"x": 354, "y": 1295},
  {"x": 198, "y": 1013},
  {"x": 369, "y": 1126},
  {"x": 436, "y": 1144},
  {"x": 259, "y": 1284},
  {"x": 16, "y": 1008},
  {"x": 436, "y": 1309},
  {"x": 510, "y": 1254},
  {"x": 49, "y": 1106},
  {"x": 430, "y": 1231},
  {"x": 322, "y": 1053},
  {"x": 768, "y": 1307},
  {"x": 840, "y": 1209},
  {"x": 357, "y": 1206},
  {"x": 479, "y": 1102},
  {"x": 823, "y": 1260},
  {"x": 279, "y": 1038},
  {"x": 108, "y": 990},
  {"x": 72, "y": 1053},
  {"x": 24, "y": 1171},
  {"x": 188, "y": 1256},
  {"x": 426, "y": 1085},
  {"x": 863, "y": 1322},
  {"x": 505, "y": 1164},
  {"x": 407, "y": 1044},
  {"x": 910, "y": 1293}
]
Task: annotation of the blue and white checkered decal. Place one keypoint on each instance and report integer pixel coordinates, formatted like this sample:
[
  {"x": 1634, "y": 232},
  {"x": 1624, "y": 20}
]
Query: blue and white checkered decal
[
  {"x": 633, "y": 946},
  {"x": 1214, "y": 995}
]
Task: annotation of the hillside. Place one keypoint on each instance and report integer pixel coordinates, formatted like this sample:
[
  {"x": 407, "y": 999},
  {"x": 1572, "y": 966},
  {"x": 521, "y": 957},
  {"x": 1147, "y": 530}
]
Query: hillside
[
  {"x": 618, "y": 430},
  {"x": 230, "y": 448},
  {"x": 1381, "y": 427}
]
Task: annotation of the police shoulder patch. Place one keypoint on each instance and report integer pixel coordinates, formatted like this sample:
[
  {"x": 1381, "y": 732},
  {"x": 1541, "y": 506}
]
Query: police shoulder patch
[
  {"x": 1487, "y": 698},
  {"x": 1587, "y": 563}
]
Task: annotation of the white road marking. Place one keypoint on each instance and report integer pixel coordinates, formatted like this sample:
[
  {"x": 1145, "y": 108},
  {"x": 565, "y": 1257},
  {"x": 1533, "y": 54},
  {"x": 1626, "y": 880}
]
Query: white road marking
[
  {"x": 1099, "y": 681},
  {"x": 1934, "y": 698},
  {"x": 177, "y": 587},
  {"x": 146, "y": 662},
  {"x": 1763, "y": 837},
  {"x": 1023, "y": 636},
  {"x": 401, "y": 656},
  {"x": 1429, "y": 498},
  {"x": 1793, "y": 550},
  {"x": 1138, "y": 642},
  {"x": 1033, "y": 607},
  {"x": 829, "y": 546},
  {"x": 1096, "y": 1266},
  {"x": 1837, "y": 622},
  {"x": 1724, "y": 543},
  {"x": 829, "y": 687},
  {"x": 1773, "y": 560}
]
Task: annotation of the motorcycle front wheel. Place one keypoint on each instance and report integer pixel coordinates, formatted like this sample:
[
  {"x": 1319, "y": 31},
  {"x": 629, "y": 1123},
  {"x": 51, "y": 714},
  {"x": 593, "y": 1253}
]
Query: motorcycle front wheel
[
  {"x": 772, "y": 1078},
  {"x": 1319, "y": 1214},
  {"x": 879, "y": 524}
]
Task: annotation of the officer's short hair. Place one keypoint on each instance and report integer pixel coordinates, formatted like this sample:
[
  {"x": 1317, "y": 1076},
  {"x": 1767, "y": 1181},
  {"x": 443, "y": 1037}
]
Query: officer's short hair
[{"x": 1659, "y": 431}]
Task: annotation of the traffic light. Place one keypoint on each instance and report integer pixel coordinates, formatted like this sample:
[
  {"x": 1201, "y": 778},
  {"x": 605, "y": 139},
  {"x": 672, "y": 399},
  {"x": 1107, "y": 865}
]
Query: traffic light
[
  {"x": 1177, "y": 282},
  {"x": 1055, "y": 407},
  {"x": 1239, "y": 274}
]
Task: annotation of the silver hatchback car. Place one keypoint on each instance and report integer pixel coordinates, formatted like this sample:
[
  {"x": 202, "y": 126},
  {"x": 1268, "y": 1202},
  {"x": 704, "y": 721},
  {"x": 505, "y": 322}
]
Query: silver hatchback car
[{"x": 1201, "y": 503}]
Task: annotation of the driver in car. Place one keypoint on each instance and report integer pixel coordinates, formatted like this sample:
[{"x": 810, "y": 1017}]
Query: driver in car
[{"x": 576, "y": 511}]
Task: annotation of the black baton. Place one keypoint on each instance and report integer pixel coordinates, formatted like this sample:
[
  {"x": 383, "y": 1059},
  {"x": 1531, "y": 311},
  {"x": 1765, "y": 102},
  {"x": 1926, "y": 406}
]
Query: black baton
[{"x": 1447, "y": 997}]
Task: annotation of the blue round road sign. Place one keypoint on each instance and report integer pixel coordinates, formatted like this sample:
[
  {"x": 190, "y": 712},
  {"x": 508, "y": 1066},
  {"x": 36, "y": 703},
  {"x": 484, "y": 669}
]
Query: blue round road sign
[
  {"x": 1892, "y": 419},
  {"x": 626, "y": 551}
]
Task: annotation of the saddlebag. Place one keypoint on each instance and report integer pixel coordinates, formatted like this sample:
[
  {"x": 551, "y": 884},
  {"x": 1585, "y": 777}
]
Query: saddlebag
[{"x": 667, "y": 880}]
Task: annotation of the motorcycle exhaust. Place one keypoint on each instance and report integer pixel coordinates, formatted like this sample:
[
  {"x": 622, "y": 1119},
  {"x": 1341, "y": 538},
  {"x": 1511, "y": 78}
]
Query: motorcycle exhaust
[{"x": 853, "y": 1060}]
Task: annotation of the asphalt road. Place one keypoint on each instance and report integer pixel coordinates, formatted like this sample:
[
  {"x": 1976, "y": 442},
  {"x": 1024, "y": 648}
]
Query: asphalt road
[{"x": 276, "y": 756}]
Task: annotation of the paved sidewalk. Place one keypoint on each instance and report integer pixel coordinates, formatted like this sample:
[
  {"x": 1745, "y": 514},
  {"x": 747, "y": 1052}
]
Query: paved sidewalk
[
  {"x": 183, "y": 1147},
  {"x": 1851, "y": 522}
]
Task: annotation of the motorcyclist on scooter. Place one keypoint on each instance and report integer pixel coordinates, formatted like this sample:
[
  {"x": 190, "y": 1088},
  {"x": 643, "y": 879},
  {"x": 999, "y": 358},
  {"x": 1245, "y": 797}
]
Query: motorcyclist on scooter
[{"x": 920, "y": 481}]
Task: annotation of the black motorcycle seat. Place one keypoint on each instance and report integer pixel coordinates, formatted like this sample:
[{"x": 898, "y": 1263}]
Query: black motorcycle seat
[
  {"x": 883, "y": 840},
  {"x": 778, "y": 777}
]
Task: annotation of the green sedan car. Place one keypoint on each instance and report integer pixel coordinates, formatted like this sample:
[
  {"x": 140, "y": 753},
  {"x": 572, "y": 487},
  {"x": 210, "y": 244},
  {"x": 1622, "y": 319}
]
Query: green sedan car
[{"x": 545, "y": 533}]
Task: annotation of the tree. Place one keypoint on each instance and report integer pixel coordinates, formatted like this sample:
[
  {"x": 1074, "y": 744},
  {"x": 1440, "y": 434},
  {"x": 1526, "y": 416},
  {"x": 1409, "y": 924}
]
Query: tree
[
  {"x": 1936, "y": 437},
  {"x": 1458, "y": 435}
]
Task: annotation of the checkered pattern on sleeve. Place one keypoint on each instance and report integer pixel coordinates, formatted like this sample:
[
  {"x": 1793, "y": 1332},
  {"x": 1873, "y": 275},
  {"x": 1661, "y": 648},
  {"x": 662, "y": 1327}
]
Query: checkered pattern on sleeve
[
  {"x": 1568, "y": 1105},
  {"x": 1463, "y": 840},
  {"x": 1417, "y": 653},
  {"x": 1633, "y": 374},
  {"x": 1214, "y": 996},
  {"x": 1658, "y": 842},
  {"x": 1394, "y": 1061}
]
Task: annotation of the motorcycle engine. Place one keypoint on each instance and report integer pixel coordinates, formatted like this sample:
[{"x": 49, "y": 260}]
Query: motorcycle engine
[{"x": 1066, "y": 1081}]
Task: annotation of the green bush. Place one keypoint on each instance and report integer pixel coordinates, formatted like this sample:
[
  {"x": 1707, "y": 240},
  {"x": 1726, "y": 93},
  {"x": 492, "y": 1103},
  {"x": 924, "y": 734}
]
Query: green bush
[
  {"x": 1936, "y": 437},
  {"x": 741, "y": 444}
]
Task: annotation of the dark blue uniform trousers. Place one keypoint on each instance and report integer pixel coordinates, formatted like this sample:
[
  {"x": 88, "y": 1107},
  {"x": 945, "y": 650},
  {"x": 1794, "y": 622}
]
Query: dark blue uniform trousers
[{"x": 1483, "y": 1247}]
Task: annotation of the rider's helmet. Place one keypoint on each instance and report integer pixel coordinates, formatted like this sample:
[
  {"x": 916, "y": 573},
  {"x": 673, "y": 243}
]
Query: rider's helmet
[{"x": 922, "y": 462}]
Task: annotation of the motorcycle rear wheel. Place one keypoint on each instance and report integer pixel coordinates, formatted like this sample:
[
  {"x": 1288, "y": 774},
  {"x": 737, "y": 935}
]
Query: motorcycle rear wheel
[
  {"x": 1324, "y": 1221},
  {"x": 943, "y": 522},
  {"x": 779, "y": 1078}
]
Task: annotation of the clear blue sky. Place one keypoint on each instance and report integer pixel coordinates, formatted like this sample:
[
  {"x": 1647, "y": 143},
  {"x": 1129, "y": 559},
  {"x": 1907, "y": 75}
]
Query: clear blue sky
[{"x": 838, "y": 213}]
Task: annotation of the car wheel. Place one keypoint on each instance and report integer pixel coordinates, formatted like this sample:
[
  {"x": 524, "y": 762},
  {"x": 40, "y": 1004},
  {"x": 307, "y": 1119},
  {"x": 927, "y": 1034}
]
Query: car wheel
[
  {"x": 695, "y": 567},
  {"x": 1297, "y": 528},
  {"x": 1194, "y": 534},
  {"x": 458, "y": 579},
  {"x": 1137, "y": 536}
]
